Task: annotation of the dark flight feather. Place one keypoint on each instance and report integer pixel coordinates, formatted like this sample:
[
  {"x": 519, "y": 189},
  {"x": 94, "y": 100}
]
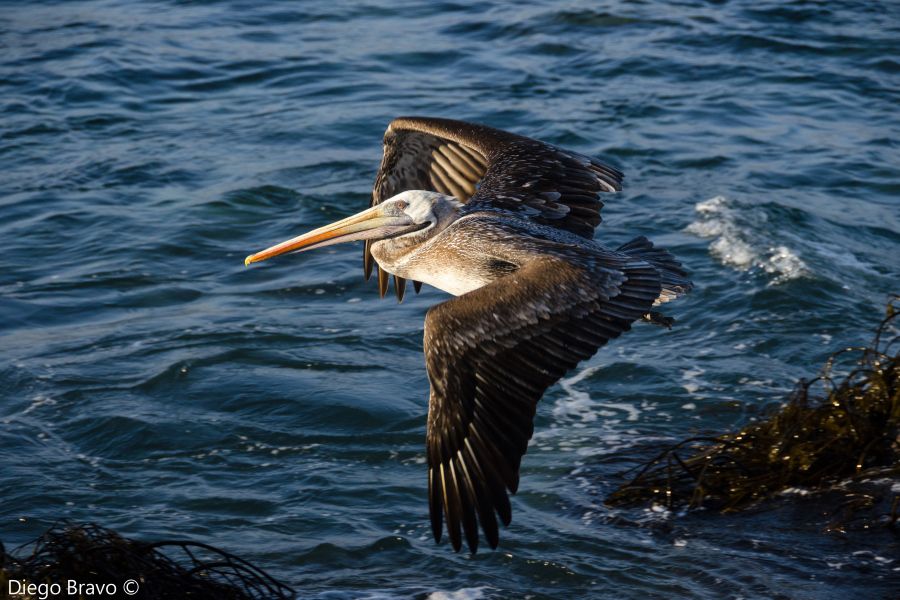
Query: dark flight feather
[{"x": 484, "y": 395}]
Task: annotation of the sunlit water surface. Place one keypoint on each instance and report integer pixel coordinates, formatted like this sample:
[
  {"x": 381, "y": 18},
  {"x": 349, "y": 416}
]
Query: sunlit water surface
[{"x": 153, "y": 384}]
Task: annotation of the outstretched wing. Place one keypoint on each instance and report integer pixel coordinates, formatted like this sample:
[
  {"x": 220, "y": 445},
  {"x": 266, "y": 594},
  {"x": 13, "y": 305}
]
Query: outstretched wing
[
  {"x": 491, "y": 354},
  {"x": 491, "y": 169}
]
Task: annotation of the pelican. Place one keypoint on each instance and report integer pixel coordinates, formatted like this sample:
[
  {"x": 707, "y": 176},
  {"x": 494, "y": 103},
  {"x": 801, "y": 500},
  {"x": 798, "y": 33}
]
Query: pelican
[{"x": 505, "y": 224}]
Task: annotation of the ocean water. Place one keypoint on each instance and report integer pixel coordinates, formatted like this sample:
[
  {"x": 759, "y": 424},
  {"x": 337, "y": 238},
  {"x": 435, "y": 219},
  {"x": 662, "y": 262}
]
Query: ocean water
[{"x": 151, "y": 383}]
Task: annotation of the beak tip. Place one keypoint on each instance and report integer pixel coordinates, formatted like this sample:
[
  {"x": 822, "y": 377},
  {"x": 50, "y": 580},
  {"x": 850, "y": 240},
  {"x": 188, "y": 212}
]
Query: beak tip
[{"x": 248, "y": 260}]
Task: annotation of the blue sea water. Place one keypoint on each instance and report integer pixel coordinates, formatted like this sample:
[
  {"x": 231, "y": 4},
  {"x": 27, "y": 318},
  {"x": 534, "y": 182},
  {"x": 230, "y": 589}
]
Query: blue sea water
[{"x": 151, "y": 383}]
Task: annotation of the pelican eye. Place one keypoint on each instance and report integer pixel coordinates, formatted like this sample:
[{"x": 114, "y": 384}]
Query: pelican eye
[{"x": 401, "y": 205}]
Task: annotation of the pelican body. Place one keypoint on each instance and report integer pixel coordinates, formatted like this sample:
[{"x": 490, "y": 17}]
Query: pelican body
[{"x": 505, "y": 224}]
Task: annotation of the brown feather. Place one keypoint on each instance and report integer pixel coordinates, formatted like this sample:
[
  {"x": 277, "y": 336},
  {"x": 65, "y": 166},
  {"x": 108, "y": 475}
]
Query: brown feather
[{"x": 491, "y": 354}]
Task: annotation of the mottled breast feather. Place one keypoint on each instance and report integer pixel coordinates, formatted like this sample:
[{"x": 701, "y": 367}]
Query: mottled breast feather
[{"x": 490, "y": 169}]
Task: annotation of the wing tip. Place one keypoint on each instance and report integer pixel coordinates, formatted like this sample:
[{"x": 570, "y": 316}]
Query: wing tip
[
  {"x": 610, "y": 178},
  {"x": 383, "y": 280},
  {"x": 367, "y": 260},
  {"x": 434, "y": 505},
  {"x": 399, "y": 288}
]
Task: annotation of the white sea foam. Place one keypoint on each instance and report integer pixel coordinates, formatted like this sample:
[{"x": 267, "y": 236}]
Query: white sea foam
[
  {"x": 588, "y": 426},
  {"x": 655, "y": 514},
  {"x": 473, "y": 593},
  {"x": 866, "y": 554},
  {"x": 580, "y": 405},
  {"x": 743, "y": 239},
  {"x": 797, "y": 491},
  {"x": 37, "y": 402},
  {"x": 692, "y": 379}
]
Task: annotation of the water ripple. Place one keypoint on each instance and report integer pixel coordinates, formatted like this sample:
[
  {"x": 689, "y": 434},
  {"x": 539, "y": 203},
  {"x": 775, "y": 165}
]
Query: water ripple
[{"x": 152, "y": 383}]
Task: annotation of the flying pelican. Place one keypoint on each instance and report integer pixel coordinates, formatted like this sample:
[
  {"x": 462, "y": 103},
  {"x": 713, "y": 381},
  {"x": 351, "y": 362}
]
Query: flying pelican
[{"x": 504, "y": 223}]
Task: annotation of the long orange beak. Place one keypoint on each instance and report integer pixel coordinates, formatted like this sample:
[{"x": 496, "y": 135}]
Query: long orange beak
[{"x": 369, "y": 224}]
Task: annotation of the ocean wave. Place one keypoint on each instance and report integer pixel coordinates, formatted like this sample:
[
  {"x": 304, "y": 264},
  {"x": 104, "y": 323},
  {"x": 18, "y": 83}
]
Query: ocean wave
[
  {"x": 739, "y": 240},
  {"x": 588, "y": 426}
]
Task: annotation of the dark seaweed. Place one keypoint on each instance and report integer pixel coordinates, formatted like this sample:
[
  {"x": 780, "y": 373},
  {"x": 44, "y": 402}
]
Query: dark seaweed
[
  {"x": 89, "y": 553},
  {"x": 813, "y": 442}
]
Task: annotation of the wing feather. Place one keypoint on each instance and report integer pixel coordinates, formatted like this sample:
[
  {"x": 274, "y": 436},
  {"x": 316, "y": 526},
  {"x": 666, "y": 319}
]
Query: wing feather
[
  {"x": 490, "y": 169},
  {"x": 492, "y": 353}
]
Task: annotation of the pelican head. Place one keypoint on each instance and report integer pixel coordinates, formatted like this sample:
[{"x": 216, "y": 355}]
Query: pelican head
[{"x": 414, "y": 214}]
